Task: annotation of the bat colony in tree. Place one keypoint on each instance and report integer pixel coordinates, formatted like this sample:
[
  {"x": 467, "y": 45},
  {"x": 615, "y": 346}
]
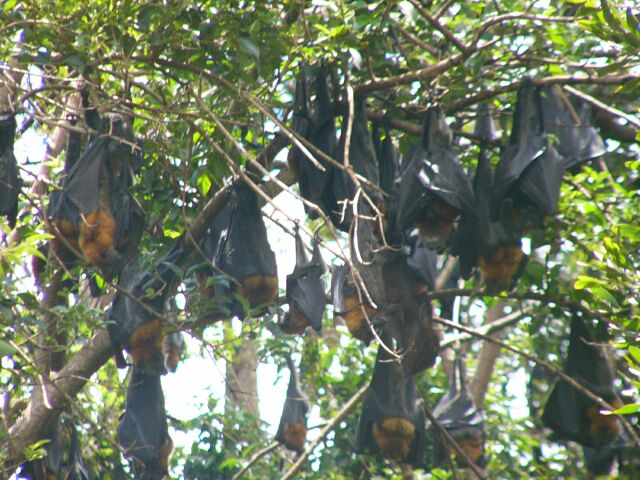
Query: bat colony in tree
[{"x": 399, "y": 212}]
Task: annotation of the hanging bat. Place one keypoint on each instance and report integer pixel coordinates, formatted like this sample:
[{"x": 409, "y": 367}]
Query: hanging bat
[
  {"x": 244, "y": 254},
  {"x": 570, "y": 414},
  {"x": 143, "y": 429},
  {"x": 433, "y": 188},
  {"x": 359, "y": 316},
  {"x": 135, "y": 318},
  {"x": 95, "y": 209},
  {"x": 292, "y": 431},
  {"x": 305, "y": 291},
  {"x": 408, "y": 315},
  {"x": 363, "y": 161},
  {"x": 316, "y": 125},
  {"x": 388, "y": 164},
  {"x": 458, "y": 414},
  {"x": 392, "y": 421},
  {"x": 173, "y": 348},
  {"x": 10, "y": 181},
  {"x": 530, "y": 169},
  {"x": 576, "y": 140},
  {"x": 491, "y": 244}
]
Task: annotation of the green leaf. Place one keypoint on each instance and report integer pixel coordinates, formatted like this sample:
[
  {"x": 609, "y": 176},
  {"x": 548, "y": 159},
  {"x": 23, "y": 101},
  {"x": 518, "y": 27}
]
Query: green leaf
[
  {"x": 204, "y": 183},
  {"x": 6, "y": 349},
  {"x": 627, "y": 409},
  {"x": 249, "y": 47},
  {"x": 635, "y": 353}
]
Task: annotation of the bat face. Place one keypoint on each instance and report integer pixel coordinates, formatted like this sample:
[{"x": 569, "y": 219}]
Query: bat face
[
  {"x": 572, "y": 415},
  {"x": 9, "y": 178},
  {"x": 392, "y": 420},
  {"x": 143, "y": 429},
  {"x": 292, "y": 431},
  {"x": 499, "y": 267},
  {"x": 244, "y": 254},
  {"x": 305, "y": 291}
]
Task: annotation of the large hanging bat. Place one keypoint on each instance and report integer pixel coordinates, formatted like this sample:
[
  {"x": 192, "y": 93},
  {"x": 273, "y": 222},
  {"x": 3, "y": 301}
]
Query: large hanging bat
[
  {"x": 244, "y": 254},
  {"x": 305, "y": 291},
  {"x": 570, "y": 414},
  {"x": 292, "y": 431},
  {"x": 458, "y": 414},
  {"x": 491, "y": 244},
  {"x": 392, "y": 421},
  {"x": 433, "y": 188},
  {"x": 359, "y": 315},
  {"x": 317, "y": 125},
  {"x": 530, "y": 169},
  {"x": 135, "y": 321},
  {"x": 143, "y": 429},
  {"x": 577, "y": 141},
  {"x": 9, "y": 179},
  {"x": 95, "y": 209}
]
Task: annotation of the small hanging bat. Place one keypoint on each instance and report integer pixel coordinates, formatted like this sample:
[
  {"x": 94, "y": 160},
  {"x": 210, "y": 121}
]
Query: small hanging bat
[
  {"x": 292, "y": 431},
  {"x": 135, "y": 318},
  {"x": 392, "y": 421},
  {"x": 358, "y": 315},
  {"x": 570, "y": 414},
  {"x": 10, "y": 181},
  {"x": 305, "y": 291},
  {"x": 493, "y": 244},
  {"x": 458, "y": 414},
  {"x": 143, "y": 429},
  {"x": 433, "y": 188},
  {"x": 576, "y": 140}
]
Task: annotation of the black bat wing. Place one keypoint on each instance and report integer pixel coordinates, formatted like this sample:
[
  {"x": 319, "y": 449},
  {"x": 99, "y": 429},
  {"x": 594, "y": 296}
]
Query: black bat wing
[
  {"x": 562, "y": 413},
  {"x": 10, "y": 181},
  {"x": 441, "y": 171},
  {"x": 527, "y": 142},
  {"x": 388, "y": 160},
  {"x": 412, "y": 196},
  {"x": 82, "y": 185},
  {"x": 576, "y": 140},
  {"x": 423, "y": 263},
  {"x": 541, "y": 181}
]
